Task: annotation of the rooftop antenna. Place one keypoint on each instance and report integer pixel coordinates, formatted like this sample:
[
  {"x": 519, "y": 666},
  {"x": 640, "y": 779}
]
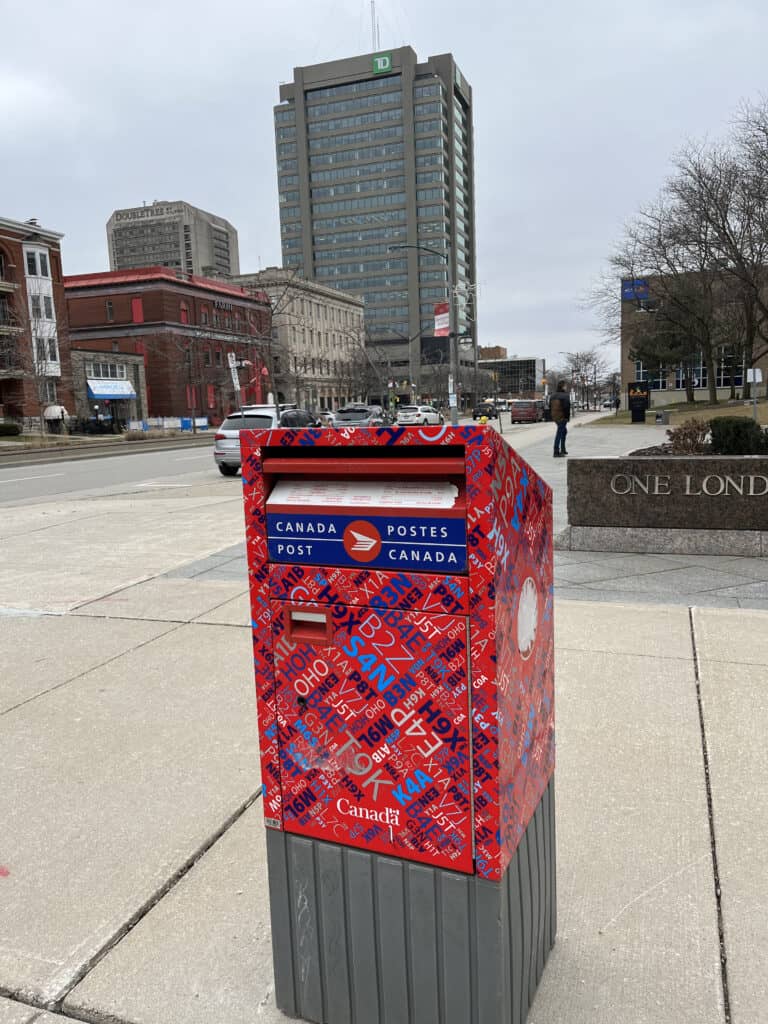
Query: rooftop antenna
[{"x": 373, "y": 24}]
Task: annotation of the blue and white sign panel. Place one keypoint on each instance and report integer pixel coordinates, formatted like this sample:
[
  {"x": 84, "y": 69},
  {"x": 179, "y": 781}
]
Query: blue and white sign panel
[{"x": 423, "y": 543}]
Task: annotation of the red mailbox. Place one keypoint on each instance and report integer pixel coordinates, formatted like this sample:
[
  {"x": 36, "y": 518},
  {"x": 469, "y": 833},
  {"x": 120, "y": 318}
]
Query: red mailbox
[{"x": 401, "y": 592}]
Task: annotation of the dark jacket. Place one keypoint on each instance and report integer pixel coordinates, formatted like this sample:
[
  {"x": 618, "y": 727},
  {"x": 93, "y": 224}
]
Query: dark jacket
[{"x": 560, "y": 407}]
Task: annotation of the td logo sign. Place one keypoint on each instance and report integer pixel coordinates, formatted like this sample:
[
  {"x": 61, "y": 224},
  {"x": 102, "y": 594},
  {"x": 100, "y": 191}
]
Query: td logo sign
[{"x": 382, "y": 63}]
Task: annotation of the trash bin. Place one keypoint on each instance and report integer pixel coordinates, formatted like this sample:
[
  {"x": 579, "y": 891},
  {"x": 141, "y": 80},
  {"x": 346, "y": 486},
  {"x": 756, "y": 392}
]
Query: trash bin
[
  {"x": 401, "y": 593},
  {"x": 662, "y": 417}
]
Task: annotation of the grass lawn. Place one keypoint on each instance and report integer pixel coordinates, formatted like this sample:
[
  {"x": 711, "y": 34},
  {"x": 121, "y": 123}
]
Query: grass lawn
[{"x": 682, "y": 411}]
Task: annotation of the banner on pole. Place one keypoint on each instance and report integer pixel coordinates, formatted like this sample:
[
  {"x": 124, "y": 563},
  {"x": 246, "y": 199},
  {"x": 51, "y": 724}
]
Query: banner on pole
[{"x": 442, "y": 319}]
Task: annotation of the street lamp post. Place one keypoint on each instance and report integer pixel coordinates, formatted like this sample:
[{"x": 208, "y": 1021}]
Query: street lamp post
[{"x": 453, "y": 361}]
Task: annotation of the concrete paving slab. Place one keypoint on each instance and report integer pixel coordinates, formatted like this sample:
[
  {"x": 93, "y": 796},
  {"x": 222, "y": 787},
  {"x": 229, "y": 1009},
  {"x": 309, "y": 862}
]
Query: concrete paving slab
[
  {"x": 739, "y": 638},
  {"x": 671, "y": 581},
  {"x": 747, "y": 591},
  {"x": 165, "y": 599},
  {"x": 623, "y": 629},
  {"x": 234, "y": 613},
  {"x": 593, "y": 594},
  {"x": 754, "y": 568},
  {"x": 637, "y": 926},
  {"x": 735, "y": 705},
  {"x": 205, "y": 948},
  {"x": 118, "y": 780},
  {"x": 58, "y": 568},
  {"x": 16, "y": 1013},
  {"x": 597, "y": 569},
  {"x": 38, "y": 653}
]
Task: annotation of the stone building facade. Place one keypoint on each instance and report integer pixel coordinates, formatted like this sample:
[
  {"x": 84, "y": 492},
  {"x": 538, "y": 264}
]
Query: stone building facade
[{"x": 319, "y": 354}]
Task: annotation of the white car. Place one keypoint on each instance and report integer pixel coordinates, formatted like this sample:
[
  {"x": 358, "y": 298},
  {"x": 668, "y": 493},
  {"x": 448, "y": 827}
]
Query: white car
[{"x": 410, "y": 415}]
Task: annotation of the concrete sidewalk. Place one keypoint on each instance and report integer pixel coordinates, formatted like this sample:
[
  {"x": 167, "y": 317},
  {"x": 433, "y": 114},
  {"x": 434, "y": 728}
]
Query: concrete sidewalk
[{"x": 132, "y": 873}]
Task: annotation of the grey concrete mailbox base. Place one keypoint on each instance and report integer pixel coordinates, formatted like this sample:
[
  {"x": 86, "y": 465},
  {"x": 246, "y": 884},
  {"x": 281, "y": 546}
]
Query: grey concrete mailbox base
[{"x": 359, "y": 938}]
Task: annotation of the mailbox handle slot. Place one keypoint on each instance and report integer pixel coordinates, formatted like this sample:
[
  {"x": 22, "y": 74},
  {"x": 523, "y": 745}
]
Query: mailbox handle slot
[
  {"x": 365, "y": 467},
  {"x": 313, "y": 626}
]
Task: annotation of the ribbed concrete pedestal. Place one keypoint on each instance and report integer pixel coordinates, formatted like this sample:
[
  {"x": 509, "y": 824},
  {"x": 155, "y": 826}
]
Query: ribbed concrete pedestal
[{"x": 359, "y": 938}]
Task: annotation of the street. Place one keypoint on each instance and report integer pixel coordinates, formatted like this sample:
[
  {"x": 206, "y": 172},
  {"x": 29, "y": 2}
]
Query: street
[
  {"x": 111, "y": 475},
  {"x": 120, "y": 474}
]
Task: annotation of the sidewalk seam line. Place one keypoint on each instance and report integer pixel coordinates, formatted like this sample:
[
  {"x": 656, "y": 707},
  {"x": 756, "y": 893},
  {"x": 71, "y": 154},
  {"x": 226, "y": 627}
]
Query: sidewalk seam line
[
  {"x": 711, "y": 820},
  {"x": 160, "y": 893},
  {"x": 52, "y": 689}
]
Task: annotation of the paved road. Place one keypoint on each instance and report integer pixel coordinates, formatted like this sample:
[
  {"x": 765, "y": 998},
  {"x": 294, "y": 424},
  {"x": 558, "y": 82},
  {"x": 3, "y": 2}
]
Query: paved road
[
  {"x": 121, "y": 473},
  {"x": 112, "y": 475}
]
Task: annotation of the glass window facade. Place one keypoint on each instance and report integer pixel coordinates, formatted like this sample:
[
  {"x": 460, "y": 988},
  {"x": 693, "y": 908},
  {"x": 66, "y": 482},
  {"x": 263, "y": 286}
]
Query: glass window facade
[{"x": 318, "y": 110}]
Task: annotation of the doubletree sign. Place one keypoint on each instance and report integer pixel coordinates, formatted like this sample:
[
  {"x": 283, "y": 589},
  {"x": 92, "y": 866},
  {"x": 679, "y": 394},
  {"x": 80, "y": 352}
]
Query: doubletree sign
[{"x": 382, "y": 63}]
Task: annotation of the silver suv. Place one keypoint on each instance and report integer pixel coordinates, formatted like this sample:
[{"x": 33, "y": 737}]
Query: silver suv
[{"x": 226, "y": 442}]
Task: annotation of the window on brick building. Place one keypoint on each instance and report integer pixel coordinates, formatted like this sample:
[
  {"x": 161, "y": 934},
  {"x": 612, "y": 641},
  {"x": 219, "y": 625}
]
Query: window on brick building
[
  {"x": 37, "y": 312},
  {"x": 211, "y": 395},
  {"x": 184, "y": 313},
  {"x": 44, "y": 265},
  {"x": 32, "y": 264},
  {"x": 48, "y": 304},
  {"x": 204, "y": 315},
  {"x": 207, "y": 357},
  {"x": 218, "y": 357},
  {"x": 110, "y": 311}
]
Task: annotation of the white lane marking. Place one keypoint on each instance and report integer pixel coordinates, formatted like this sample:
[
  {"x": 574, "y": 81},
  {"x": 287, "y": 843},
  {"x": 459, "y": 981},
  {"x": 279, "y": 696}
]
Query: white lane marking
[
  {"x": 186, "y": 458},
  {"x": 17, "y": 479},
  {"x": 159, "y": 484}
]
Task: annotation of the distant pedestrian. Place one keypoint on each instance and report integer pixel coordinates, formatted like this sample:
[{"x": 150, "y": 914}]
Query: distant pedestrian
[
  {"x": 617, "y": 404},
  {"x": 560, "y": 410}
]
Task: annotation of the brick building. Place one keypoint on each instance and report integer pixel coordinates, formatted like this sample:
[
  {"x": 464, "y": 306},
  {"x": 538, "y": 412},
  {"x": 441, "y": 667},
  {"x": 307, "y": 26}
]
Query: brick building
[
  {"x": 183, "y": 327},
  {"x": 35, "y": 371}
]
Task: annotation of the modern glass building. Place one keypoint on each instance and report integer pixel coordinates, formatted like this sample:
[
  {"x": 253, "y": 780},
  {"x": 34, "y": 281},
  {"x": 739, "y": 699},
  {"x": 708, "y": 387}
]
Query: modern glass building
[{"x": 375, "y": 153}]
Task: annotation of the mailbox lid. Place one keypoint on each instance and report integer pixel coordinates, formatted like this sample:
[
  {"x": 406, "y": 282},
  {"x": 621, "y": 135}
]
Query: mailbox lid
[
  {"x": 374, "y": 730},
  {"x": 380, "y": 523}
]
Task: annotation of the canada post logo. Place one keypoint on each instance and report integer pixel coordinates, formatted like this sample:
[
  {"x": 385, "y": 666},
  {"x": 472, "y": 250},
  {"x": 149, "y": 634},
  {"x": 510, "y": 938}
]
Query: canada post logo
[
  {"x": 431, "y": 544},
  {"x": 362, "y": 541}
]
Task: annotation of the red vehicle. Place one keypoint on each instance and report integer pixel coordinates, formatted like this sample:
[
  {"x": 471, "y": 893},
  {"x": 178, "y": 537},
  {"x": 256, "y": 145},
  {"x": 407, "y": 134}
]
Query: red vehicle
[{"x": 526, "y": 411}]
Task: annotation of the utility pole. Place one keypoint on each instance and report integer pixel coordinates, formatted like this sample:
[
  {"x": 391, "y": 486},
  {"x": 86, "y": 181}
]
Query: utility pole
[{"x": 453, "y": 341}]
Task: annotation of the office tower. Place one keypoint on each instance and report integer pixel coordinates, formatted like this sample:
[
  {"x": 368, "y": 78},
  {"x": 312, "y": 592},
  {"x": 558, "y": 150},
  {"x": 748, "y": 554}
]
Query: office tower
[
  {"x": 374, "y": 153},
  {"x": 176, "y": 235}
]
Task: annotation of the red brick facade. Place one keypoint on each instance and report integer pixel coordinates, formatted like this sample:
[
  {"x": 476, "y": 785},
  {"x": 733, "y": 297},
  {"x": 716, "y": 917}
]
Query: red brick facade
[
  {"x": 30, "y": 380},
  {"x": 184, "y": 327}
]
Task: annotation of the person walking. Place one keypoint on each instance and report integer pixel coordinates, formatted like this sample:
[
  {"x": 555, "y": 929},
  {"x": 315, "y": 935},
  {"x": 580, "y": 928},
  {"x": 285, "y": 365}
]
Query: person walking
[{"x": 560, "y": 412}]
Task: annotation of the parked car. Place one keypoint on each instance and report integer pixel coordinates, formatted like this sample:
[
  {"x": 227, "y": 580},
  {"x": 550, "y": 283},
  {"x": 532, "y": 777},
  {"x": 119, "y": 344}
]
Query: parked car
[
  {"x": 408, "y": 415},
  {"x": 298, "y": 418},
  {"x": 523, "y": 410},
  {"x": 358, "y": 416},
  {"x": 486, "y": 409},
  {"x": 226, "y": 441}
]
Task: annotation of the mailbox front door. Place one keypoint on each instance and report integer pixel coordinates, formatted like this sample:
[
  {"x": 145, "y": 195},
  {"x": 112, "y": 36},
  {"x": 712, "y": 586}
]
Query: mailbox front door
[{"x": 373, "y": 721}]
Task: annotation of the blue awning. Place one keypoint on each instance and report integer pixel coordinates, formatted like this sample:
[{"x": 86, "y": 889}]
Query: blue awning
[{"x": 110, "y": 389}]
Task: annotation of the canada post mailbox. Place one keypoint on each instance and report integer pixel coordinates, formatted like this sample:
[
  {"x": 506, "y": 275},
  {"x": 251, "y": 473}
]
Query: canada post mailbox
[{"x": 401, "y": 595}]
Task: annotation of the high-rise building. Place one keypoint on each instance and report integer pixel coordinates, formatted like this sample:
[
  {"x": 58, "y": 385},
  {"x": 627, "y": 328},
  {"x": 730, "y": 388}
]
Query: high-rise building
[
  {"x": 176, "y": 235},
  {"x": 376, "y": 187}
]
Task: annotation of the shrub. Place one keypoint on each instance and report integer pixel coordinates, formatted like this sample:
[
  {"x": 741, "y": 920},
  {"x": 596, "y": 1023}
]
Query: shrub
[
  {"x": 689, "y": 438},
  {"x": 738, "y": 435},
  {"x": 9, "y": 429}
]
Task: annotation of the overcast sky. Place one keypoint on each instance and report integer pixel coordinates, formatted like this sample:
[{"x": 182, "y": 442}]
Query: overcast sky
[{"x": 578, "y": 108}]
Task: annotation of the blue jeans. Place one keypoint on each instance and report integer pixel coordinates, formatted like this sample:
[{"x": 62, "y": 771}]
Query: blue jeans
[{"x": 560, "y": 435}]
